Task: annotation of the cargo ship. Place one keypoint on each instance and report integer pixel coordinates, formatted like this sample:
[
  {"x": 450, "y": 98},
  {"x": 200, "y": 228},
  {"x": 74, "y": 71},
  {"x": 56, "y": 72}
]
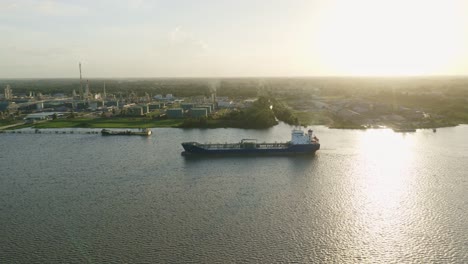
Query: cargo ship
[
  {"x": 141, "y": 132},
  {"x": 301, "y": 143}
]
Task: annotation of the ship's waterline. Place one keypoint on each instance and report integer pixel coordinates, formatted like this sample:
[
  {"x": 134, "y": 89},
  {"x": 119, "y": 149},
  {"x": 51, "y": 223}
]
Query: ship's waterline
[{"x": 366, "y": 197}]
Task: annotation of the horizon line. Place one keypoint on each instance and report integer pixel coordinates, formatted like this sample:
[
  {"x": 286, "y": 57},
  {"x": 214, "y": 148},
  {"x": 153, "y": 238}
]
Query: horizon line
[{"x": 252, "y": 77}]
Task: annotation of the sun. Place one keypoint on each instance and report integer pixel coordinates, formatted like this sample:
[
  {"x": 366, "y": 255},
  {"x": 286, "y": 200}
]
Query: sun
[{"x": 398, "y": 37}]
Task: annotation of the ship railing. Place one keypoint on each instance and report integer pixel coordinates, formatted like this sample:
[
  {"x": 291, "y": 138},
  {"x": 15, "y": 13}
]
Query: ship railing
[
  {"x": 272, "y": 145},
  {"x": 222, "y": 146}
]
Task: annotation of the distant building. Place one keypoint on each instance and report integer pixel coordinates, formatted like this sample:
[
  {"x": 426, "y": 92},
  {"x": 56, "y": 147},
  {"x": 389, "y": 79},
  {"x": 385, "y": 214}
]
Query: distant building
[
  {"x": 226, "y": 104},
  {"x": 175, "y": 113},
  {"x": 199, "y": 99},
  {"x": 154, "y": 106},
  {"x": 111, "y": 103},
  {"x": 187, "y": 106},
  {"x": 42, "y": 116},
  {"x": 145, "y": 108},
  {"x": 198, "y": 112},
  {"x": 4, "y": 105},
  {"x": 93, "y": 106},
  {"x": 208, "y": 108},
  {"x": 134, "y": 111},
  {"x": 249, "y": 102},
  {"x": 88, "y": 95},
  {"x": 8, "y": 93},
  {"x": 13, "y": 107},
  {"x": 169, "y": 97}
]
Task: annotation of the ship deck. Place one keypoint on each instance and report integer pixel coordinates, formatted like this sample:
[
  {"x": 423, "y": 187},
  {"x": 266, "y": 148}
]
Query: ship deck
[{"x": 225, "y": 146}]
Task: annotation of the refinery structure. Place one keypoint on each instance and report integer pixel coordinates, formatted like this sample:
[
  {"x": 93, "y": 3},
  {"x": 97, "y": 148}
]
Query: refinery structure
[
  {"x": 84, "y": 100},
  {"x": 98, "y": 101}
]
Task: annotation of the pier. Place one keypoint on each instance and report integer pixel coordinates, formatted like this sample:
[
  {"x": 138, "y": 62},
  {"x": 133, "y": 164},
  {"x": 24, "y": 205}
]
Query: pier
[{"x": 49, "y": 131}]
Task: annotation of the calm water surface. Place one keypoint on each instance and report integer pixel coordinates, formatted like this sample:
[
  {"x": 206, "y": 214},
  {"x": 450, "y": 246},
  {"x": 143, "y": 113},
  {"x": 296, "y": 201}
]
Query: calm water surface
[{"x": 366, "y": 197}]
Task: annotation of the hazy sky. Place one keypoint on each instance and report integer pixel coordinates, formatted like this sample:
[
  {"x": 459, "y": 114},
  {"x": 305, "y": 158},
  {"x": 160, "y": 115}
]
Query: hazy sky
[{"x": 175, "y": 38}]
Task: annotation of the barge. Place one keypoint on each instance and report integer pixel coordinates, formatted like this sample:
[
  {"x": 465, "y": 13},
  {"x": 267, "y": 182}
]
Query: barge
[{"x": 141, "y": 132}]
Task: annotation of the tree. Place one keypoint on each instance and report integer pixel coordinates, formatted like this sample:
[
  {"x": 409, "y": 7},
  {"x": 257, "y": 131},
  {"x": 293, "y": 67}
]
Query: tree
[{"x": 72, "y": 114}]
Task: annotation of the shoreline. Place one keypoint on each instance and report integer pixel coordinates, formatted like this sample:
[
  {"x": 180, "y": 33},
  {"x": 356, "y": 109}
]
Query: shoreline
[{"x": 133, "y": 123}]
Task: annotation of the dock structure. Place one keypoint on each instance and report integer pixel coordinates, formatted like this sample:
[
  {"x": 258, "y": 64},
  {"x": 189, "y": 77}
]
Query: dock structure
[{"x": 49, "y": 131}]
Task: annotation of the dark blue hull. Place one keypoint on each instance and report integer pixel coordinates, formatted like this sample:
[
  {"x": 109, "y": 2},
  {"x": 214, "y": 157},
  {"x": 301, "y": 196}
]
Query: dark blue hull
[{"x": 194, "y": 149}]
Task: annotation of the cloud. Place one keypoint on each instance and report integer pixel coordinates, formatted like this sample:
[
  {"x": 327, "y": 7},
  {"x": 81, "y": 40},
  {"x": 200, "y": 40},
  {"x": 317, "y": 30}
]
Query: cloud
[
  {"x": 55, "y": 8},
  {"x": 135, "y": 3},
  {"x": 41, "y": 8},
  {"x": 8, "y": 5},
  {"x": 185, "y": 42}
]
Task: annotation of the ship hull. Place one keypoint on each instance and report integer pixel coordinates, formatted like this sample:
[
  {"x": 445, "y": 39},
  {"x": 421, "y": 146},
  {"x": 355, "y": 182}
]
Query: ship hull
[{"x": 305, "y": 149}]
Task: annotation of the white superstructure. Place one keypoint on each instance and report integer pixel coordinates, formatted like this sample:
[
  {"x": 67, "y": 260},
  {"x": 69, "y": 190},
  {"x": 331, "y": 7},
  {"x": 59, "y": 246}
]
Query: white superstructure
[{"x": 299, "y": 138}]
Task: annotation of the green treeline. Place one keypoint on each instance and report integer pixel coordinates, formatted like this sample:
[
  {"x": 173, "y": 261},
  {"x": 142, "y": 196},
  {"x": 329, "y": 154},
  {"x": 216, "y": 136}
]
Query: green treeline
[
  {"x": 283, "y": 113},
  {"x": 244, "y": 88},
  {"x": 262, "y": 114},
  {"x": 454, "y": 109},
  {"x": 118, "y": 87},
  {"x": 258, "y": 115},
  {"x": 236, "y": 88}
]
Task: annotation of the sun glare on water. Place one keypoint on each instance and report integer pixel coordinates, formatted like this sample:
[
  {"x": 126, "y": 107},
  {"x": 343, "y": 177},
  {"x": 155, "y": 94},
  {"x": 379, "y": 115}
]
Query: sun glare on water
[
  {"x": 388, "y": 156},
  {"x": 386, "y": 185},
  {"x": 399, "y": 37}
]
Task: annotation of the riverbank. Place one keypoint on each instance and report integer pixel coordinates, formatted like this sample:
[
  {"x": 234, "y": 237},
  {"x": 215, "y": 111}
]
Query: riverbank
[
  {"x": 10, "y": 125},
  {"x": 117, "y": 122},
  {"x": 140, "y": 122},
  {"x": 137, "y": 122}
]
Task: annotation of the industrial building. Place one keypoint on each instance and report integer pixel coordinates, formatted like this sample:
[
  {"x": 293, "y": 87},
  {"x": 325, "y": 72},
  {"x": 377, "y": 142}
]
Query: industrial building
[
  {"x": 42, "y": 116},
  {"x": 4, "y": 105},
  {"x": 187, "y": 106},
  {"x": 134, "y": 111},
  {"x": 145, "y": 108},
  {"x": 154, "y": 106},
  {"x": 175, "y": 113},
  {"x": 198, "y": 112},
  {"x": 208, "y": 108}
]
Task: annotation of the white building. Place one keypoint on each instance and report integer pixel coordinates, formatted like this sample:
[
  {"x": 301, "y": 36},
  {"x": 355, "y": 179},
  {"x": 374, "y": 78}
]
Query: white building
[
  {"x": 226, "y": 104},
  {"x": 8, "y": 93}
]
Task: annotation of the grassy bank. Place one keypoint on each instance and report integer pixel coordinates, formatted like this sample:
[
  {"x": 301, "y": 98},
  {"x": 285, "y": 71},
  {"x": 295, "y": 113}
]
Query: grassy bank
[
  {"x": 4, "y": 122},
  {"x": 125, "y": 122},
  {"x": 218, "y": 123},
  {"x": 308, "y": 118},
  {"x": 117, "y": 122}
]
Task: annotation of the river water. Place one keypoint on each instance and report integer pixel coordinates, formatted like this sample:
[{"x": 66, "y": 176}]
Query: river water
[{"x": 370, "y": 196}]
